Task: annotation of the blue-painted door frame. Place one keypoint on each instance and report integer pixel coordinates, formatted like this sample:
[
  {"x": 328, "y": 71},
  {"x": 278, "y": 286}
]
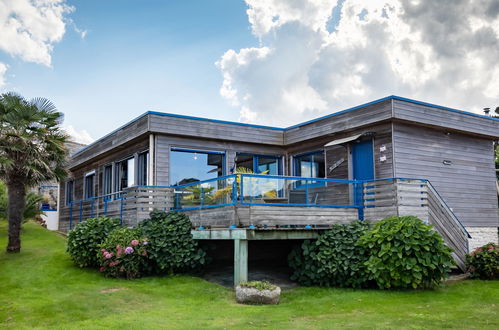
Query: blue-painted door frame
[{"x": 363, "y": 169}]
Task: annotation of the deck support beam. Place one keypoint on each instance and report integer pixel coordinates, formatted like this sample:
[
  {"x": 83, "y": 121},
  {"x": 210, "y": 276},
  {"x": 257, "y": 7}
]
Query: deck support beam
[{"x": 240, "y": 261}]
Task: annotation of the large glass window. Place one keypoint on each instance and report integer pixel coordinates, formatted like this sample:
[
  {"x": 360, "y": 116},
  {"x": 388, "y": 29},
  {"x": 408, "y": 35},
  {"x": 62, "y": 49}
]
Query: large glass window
[
  {"x": 89, "y": 185},
  {"x": 270, "y": 165},
  {"x": 190, "y": 166},
  {"x": 125, "y": 174},
  {"x": 142, "y": 168},
  {"x": 310, "y": 165}
]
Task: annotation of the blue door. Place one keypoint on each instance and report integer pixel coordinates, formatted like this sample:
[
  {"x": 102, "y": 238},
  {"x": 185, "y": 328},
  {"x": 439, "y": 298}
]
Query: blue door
[{"x": 363, "y": 168}]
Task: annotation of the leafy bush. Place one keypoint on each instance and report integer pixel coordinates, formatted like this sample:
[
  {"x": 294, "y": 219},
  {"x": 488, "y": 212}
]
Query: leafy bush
[
  {"x": 406, "y": 253},
  {"x": 124, "y": 254},
  {"x": 172, "y": 249},
  {"x": 85, "y": 239},
  {"x": 483, "y": 263},
  {"x": 259, "y": 285},
  {"x": 334, "y": 259}
]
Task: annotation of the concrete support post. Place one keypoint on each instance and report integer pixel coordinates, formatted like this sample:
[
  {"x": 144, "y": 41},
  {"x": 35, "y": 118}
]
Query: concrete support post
[{"x": 240, "y": 261}]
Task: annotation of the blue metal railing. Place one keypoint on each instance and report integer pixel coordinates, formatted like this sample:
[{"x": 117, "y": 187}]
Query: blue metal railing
[{"x": 243, "y": 189}]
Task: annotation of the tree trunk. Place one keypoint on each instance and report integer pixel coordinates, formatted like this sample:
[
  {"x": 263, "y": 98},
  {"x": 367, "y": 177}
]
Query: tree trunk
[{"x": 17, "y": 200}]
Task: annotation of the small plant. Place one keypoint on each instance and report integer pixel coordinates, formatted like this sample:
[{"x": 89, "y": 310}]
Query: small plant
[
  {"x": 259, "y": 285},
  {"x": 172, "y": 250},
  {"x": 483, "y": 263},
  {"x": 334, "y": 259},
  {"x": 406, "y": 253},
  {"x": 85, "y": 239},
  {"x": 124, "y": 254}
]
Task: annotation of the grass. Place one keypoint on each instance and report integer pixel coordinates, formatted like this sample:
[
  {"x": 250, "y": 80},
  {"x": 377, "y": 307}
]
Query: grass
[{"x": 41, "y": 288}]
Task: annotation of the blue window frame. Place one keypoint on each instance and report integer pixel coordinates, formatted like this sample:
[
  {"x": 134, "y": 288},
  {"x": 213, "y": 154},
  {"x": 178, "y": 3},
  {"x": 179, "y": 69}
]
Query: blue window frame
[
  {"x": 89, "y": 182},
  {"x": 188, "y": 165},
  {"x": 271, "y": 165},
  {"x": 310, "y": 165}
]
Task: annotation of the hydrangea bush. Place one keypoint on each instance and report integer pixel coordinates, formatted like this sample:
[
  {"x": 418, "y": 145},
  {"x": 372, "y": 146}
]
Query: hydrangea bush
[
  {"x": 406, "y": 253},
  {"x": 85, "y": 239},
  {"x": 124, "y": 254},
  {"x": 483, "y": 263}
]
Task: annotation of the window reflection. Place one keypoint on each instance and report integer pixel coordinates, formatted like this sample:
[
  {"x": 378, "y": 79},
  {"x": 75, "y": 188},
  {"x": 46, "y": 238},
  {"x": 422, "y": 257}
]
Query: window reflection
[{"x": 190, "y": 166}]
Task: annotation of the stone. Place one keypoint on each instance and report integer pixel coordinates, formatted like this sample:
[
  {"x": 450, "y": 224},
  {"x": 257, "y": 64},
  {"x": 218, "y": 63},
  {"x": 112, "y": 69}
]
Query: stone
[{"x": 259, "y": 297}]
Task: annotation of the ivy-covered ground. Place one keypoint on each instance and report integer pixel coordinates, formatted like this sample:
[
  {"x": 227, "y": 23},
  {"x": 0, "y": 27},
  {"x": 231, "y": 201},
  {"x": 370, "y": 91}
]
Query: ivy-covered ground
[{"x": 41, "y": 288}]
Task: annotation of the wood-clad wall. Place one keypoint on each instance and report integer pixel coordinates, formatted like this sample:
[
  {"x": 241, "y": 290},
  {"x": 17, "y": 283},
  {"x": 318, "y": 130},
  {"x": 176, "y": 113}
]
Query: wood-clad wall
[
  {"x": 466, "y": 185},
  {"x": 424, "y": 114}
]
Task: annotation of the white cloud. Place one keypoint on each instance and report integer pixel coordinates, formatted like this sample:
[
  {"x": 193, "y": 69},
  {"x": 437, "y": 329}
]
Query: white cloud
[
  {"x": 3, "y": 70},
  {"x": 81, "y": 136},
  {"x": 30, "y": 28},
  {"x": 440, "y": 51}
]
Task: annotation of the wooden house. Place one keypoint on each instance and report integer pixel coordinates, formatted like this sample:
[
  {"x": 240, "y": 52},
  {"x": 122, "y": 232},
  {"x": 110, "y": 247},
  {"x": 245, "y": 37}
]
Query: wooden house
[{"x": 392, "y": 156}]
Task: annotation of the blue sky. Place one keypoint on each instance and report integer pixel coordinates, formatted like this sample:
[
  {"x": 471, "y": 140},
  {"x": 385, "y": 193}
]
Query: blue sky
[
  {"x": 279, "y": 62},
  {"x": 137, "y": 56}
]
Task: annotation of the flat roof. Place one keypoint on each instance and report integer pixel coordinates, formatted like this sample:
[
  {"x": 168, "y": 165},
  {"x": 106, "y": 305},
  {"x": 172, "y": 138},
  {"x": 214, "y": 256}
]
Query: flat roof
[{"x": 391, "y": 97}]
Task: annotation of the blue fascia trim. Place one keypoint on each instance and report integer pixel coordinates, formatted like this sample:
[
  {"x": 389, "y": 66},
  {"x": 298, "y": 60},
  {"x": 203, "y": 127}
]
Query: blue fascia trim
[
  {"x": 109, "y": 134},
  {"x": 213, "y": 120},
  {"x": 341, "y": 112},
  {"x": 399, "y": 98}
]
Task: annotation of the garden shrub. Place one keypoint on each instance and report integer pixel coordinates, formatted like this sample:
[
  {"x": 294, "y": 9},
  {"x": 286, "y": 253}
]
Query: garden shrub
[
  {"x": 85, "y": 239},
  {"x": 334, "y": 259},
  {"x": 172, "y": 248},
  {"x": 406, "y": 253},
  {"x": 483, "y": 263},
  {"x": 124, "y": 254}
]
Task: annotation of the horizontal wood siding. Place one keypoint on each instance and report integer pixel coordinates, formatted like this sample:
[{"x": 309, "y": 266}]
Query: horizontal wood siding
[
  {"x": 214, "y": 130},
  {"x": 445, "y": 118},
  {"x": 341, "y": 122},
  {"x": 110, "y": 142},
  {"x": 467, "y": 185}
]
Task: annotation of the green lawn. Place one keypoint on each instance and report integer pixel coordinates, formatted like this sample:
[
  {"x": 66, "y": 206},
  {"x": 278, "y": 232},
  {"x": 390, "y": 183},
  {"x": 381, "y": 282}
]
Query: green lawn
[{"x": 41, "y": 288}]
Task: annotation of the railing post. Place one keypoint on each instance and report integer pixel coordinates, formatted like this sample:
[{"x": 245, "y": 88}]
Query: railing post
[
  {"x": 92, "y": 208},
  {"x": 306, "y": 192},
  {"x": 81, "y": 211},
  {"x": 105, "y": 206}
]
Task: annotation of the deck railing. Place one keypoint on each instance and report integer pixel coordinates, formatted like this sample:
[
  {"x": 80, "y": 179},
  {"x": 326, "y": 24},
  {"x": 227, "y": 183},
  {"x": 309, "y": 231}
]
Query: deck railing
[{"x": 372, "y": 199}]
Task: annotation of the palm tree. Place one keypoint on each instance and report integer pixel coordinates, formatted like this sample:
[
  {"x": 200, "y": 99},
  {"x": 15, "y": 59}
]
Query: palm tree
[{"x": 32, "y": 151}]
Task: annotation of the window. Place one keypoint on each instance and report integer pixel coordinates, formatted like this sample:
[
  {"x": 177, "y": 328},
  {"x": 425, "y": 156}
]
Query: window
[
  {"x": 143, "y": 161},
  {"x": 69, "y": 192},
  {"x": 125, "y": 174},
  {"x": 193, "y": 165},
  {"x": 107, "y": 184},
  {"x": 310, "y": 165},
  {"x": 270, "y": 165},
  {"x": 89, "y": 185}
]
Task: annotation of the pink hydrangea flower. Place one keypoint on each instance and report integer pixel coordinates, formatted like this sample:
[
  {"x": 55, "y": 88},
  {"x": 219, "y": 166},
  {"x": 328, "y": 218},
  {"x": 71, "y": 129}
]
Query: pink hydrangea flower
[
  {"x": 129, "y": 250},
  {"x": 108, "y": 255},
  {"x": 134, "y": 242}
]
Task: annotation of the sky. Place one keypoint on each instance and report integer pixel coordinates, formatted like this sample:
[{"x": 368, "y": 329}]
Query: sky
[{"x": 271, "y": 62}]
